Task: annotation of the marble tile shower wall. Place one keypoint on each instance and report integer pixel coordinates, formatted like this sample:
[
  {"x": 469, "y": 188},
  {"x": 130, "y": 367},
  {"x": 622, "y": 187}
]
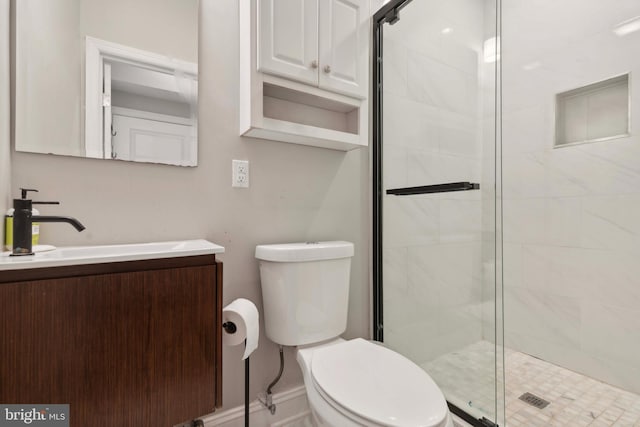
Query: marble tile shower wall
[
  {"x": 432, "y": 243},
  {"x": 571, "y": 229}
]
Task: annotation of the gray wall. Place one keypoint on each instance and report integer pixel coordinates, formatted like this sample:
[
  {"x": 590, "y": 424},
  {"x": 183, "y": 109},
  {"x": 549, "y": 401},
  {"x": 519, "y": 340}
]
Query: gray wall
[
  {"x": 297, "y": 193},
  {"x": 5, "y": 149}
]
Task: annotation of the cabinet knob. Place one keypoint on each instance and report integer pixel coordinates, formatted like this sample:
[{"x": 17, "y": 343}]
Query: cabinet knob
[
  {"x": 327, "y": 69},
  {"x": 314, "y": 64}
]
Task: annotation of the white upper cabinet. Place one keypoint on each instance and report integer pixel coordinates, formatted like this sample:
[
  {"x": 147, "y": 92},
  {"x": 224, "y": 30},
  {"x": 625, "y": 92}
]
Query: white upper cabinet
[
  {"x": 288, "y": 42},
  {"x": 318, "y": 42},
  {"x": 304, "y": 72}
]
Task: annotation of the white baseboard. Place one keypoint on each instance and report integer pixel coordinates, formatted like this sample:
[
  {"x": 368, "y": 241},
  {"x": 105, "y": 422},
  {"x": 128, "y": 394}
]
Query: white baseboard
[{"x": 292, "y": 410}]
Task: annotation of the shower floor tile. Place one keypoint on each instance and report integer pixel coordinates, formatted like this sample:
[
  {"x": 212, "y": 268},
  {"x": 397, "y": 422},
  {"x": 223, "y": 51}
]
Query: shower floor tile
[{"x": 466, "y": 377}]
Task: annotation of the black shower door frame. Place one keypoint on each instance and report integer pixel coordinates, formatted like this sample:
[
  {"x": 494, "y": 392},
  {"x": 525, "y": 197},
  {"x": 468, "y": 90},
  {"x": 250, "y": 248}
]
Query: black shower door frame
[{"x": 389, "y": 13}]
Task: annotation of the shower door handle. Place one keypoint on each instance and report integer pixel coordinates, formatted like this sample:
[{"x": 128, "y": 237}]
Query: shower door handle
[{"x": 437, "y": 188}]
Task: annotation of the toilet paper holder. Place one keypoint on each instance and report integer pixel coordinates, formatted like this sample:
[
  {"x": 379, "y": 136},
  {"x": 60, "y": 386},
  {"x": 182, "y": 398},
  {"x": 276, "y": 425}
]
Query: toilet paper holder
[{"x": 229, "y": 327}]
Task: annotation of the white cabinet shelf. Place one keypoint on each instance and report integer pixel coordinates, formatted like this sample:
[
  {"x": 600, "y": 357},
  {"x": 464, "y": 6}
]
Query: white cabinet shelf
[{"x": 284, "y": 95}]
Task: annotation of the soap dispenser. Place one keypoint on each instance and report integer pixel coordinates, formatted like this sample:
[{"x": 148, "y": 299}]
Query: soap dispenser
[
  {"x": 8, "y": 225},
  {"x": 21, "y": 220}
]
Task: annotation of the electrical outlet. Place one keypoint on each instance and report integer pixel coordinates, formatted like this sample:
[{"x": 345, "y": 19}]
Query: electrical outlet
[{"x": 240, "y": 173}]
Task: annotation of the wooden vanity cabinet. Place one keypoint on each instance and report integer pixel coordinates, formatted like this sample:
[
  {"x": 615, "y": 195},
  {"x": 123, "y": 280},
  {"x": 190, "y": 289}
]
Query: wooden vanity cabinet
[{"x": 134, "y": 343}]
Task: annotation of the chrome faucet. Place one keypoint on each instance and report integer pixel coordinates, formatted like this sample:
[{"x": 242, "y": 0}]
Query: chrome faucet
[{"x": 23, "y": 219}]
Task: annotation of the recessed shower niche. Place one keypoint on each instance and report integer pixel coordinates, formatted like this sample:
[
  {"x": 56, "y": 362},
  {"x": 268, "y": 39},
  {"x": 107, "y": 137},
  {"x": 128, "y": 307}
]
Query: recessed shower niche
[{"x": 595, "y": 112}]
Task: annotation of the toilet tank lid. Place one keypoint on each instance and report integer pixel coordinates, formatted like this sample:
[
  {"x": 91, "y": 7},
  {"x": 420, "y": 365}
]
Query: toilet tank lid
[{"x": 308, "y": 251}]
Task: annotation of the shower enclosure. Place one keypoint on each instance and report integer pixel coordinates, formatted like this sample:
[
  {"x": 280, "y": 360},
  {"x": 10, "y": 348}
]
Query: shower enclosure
[{"x": 507, "y": 204}]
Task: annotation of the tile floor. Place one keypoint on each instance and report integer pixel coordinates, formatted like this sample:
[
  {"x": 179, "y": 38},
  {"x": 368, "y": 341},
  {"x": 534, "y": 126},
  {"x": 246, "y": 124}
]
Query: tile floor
[{"x": 466, "y": 377}]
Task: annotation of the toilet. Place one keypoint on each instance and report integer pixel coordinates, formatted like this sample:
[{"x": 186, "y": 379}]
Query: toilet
[{"x": 305, "y": 293}]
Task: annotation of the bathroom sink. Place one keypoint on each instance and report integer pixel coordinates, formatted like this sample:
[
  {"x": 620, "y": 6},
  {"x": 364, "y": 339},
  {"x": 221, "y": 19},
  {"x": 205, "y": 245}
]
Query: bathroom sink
[{"x": 76, "y": 255}]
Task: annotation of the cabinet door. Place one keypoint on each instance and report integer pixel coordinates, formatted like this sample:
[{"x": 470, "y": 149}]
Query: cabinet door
[
  {"x": 288, "y": 39},
  {"x": 344, "y": 47},
  {"x": 122, "y": 349}
]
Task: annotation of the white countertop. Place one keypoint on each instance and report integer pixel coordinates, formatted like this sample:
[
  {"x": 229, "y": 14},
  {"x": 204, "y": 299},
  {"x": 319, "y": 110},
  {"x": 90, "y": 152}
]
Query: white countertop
[{"x": 77, "y": 255}]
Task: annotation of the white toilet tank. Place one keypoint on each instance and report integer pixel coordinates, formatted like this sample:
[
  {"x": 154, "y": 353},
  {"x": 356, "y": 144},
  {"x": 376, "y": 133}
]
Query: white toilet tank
[{"x": 305, "y": 290}]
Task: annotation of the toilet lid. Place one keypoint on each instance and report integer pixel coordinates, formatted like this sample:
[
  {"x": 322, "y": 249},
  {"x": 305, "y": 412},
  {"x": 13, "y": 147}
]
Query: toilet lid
[{"x": 378, "y": 384}]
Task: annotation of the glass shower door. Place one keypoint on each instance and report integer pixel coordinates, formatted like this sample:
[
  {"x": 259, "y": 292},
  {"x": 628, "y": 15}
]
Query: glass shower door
[{"x": 436, "y": 291}]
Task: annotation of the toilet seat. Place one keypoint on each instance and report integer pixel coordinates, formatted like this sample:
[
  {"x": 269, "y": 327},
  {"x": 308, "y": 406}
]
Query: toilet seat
[{"x": 378, "y": 385}]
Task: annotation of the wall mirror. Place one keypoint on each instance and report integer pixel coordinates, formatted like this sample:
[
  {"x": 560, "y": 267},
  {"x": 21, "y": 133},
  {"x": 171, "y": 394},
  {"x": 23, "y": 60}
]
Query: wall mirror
[{"x": 113, "y": 79}]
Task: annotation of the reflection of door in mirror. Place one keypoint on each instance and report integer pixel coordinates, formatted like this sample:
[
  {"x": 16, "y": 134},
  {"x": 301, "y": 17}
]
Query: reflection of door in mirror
[
  {"x": 50, "y": 73},
  {"x": 156, "y": 140},
  {"x": 139, "y": 106}
]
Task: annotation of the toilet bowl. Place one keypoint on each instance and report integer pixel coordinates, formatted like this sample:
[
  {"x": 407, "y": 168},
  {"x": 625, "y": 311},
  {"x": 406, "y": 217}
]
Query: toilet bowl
[
  {"x": 359, "y": 383},
  {"x": 305, "y": 293}
]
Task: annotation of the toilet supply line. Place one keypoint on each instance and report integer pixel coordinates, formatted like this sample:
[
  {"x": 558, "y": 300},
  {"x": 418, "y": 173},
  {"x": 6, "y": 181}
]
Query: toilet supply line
[{"x": 267, "y": 398}]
